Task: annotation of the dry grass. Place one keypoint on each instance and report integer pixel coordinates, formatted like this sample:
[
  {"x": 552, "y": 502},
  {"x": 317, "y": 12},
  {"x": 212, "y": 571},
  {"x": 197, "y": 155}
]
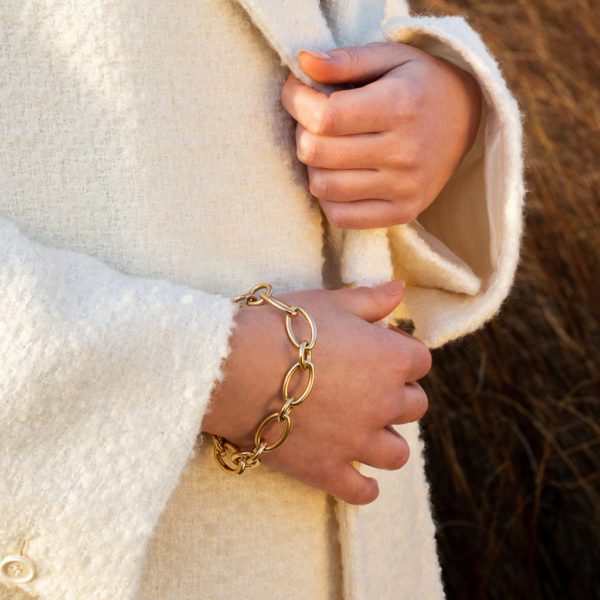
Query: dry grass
[{"x": 514, "y": 426}]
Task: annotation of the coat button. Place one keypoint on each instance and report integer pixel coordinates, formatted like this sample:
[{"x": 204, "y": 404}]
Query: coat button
[{"x": 16, "y": 568}]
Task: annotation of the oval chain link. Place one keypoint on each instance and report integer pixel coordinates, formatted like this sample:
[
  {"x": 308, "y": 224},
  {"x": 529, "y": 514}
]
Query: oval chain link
[
  {"x": 309, "y": 385},
  {"x": 229, "y": 456},
  {"x": 290, "y": 331},
  {"x": 258, "y": 439}
]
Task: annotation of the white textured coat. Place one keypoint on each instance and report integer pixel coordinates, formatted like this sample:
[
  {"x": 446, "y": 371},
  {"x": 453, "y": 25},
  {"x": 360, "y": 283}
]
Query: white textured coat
[{"x": 148, "y": 175}]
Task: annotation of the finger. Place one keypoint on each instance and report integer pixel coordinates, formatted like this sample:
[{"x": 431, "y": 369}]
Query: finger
[
  {"x": 365, "y": 214},
  {"x": 355, "y": 64},
  {"x": 370, "y": 303},
  {"x": 305, "y": 104},
  {"x": 386, "y": 450},
  {"x": 349, "y": 485},
  {"x": 412, "y": 405},
  {"x": 348, "y": 185},
  {"x": 346, "y": 112},
  {"x": 414, "y": 358},
  {"x": 361, "y": 151}
]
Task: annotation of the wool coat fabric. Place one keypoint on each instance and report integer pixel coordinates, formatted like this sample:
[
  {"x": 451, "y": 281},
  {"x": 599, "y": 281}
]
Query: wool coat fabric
[{"x": 149, "y": 175}]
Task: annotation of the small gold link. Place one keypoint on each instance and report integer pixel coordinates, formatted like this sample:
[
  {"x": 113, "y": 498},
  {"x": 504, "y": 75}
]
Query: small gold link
[
  {"x": 279, "y": 304},
  {"x": 254, "y": 456},
  {"x": 253, "y": 300},
  {"x": 250, "y": 297},
  {"x": 245, "y": 460},
  {"x": 225, "y": 458},
  {"x": 241, "y": 466},
  {"x": 218, "y": 441},
  {"x": 304, "y": 355},
  {"x": 286, "y": 409},
  {"x": 262, "y": 286}
]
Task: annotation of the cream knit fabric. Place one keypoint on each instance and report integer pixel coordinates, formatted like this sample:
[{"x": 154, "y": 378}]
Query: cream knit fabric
[{"x": 148, "y": 174}]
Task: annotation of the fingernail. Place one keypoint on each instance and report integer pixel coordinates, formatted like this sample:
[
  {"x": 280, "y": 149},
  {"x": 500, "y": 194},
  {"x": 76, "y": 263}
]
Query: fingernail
[
  {"x": 396, "y": 286},
  {"x": 314, "y": 54}
]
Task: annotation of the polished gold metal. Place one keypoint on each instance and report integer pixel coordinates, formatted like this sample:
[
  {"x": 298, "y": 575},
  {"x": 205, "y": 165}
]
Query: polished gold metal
[
  {"x": 258, "y": 437},
  {"x": 304, "y": 355},
  {"x": 309, "y": 386},
  {"x": 286, "y": 409},
  {"x": 290, "y": 331},
  {"x": 226, "y": 454},
  {"x": 231, "y": 458},
  {"x": 281, "y": 306}
]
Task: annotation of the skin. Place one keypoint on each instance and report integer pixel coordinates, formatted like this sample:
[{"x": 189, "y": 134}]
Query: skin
[
  {"x": 365, "y": 380},
  {"x": 380, "y": 153},
  {"x": 377, "y": 155}
]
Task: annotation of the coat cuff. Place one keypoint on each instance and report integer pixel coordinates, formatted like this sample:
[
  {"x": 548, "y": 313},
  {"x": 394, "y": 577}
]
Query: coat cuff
[
  {"x": 459, "y": 260},
  {"x": 104, "y": 382}
]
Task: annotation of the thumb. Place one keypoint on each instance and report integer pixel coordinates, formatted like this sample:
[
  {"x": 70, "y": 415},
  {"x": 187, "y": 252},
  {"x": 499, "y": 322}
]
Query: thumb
[
  {"x": 355, "y": 64},
  {"x": 370, "y": 303}
]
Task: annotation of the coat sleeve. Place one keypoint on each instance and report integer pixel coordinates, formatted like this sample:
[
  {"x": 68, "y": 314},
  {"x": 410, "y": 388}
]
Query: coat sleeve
[
  {"x": 104, "y": 379},
  {"x": 460, "y": 257}
]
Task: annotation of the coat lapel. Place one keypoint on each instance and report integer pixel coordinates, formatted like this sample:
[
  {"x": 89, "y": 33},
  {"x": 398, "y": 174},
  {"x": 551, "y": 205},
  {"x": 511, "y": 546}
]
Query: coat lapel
[
  {"x": 290, "y": 26},
  {"x": 364, "y": 255}
]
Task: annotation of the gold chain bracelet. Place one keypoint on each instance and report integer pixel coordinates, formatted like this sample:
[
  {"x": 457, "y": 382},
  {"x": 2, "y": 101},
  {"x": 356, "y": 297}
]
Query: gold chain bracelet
[{"x": 228, "y": 455}]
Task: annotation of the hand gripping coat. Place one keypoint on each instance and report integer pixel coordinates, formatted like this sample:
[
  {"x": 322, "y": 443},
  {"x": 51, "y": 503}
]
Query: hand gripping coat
[{"x": 149, "y": 175}]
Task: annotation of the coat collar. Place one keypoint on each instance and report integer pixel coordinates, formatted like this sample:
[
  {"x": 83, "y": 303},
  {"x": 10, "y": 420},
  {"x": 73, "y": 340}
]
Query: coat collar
[{"x": 290, "y": 26}]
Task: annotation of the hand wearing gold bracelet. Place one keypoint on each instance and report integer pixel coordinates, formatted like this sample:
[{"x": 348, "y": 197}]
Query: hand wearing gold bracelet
[{"x": 366, "y": 381}]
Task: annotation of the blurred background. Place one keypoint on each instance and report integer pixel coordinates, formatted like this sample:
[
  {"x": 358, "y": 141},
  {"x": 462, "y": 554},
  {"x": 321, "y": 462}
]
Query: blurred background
[{"x": 513, "y": 430}]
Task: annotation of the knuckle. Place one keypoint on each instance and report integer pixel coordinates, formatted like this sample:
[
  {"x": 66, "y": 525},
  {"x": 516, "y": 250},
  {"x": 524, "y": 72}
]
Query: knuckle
[
  {"x": 337, "y": 216},
  {"x": 324, "y": 120},
  {"x": 400, "y": 157},
  {"x": 391, "y": 410},
  {"x": 353, "y": 60},
  {"x": 394, "y": 455},
  {"x": 393, "y": 95},
  {"x": 422, "y": 403},
  {"x": 411, "y": 100},
  {"x": 408, "y": 203},
  {"x": 403, "y": 188},
  {"x": 378, "y": 300},
  {"x": 318, "y": 184},
  {"x": 409, "y": 157},
  {"x": 362, "y": 492},
  {"x": 401, "y": 358},
  {"x": 324, "y": 472},
  {"x": 407, "y": 212},
  {"x": 413, "y": 410},
  {"x": 307, "y": 149},
  {"x": 399, "y": 455},
  {"x": 411, "y": 359},
  {"x": 422, "y": 361},
  {"x": 374, "y": 295},
  {"x": 285, "y": 92},
  {"x": 419, "y": 179}
]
